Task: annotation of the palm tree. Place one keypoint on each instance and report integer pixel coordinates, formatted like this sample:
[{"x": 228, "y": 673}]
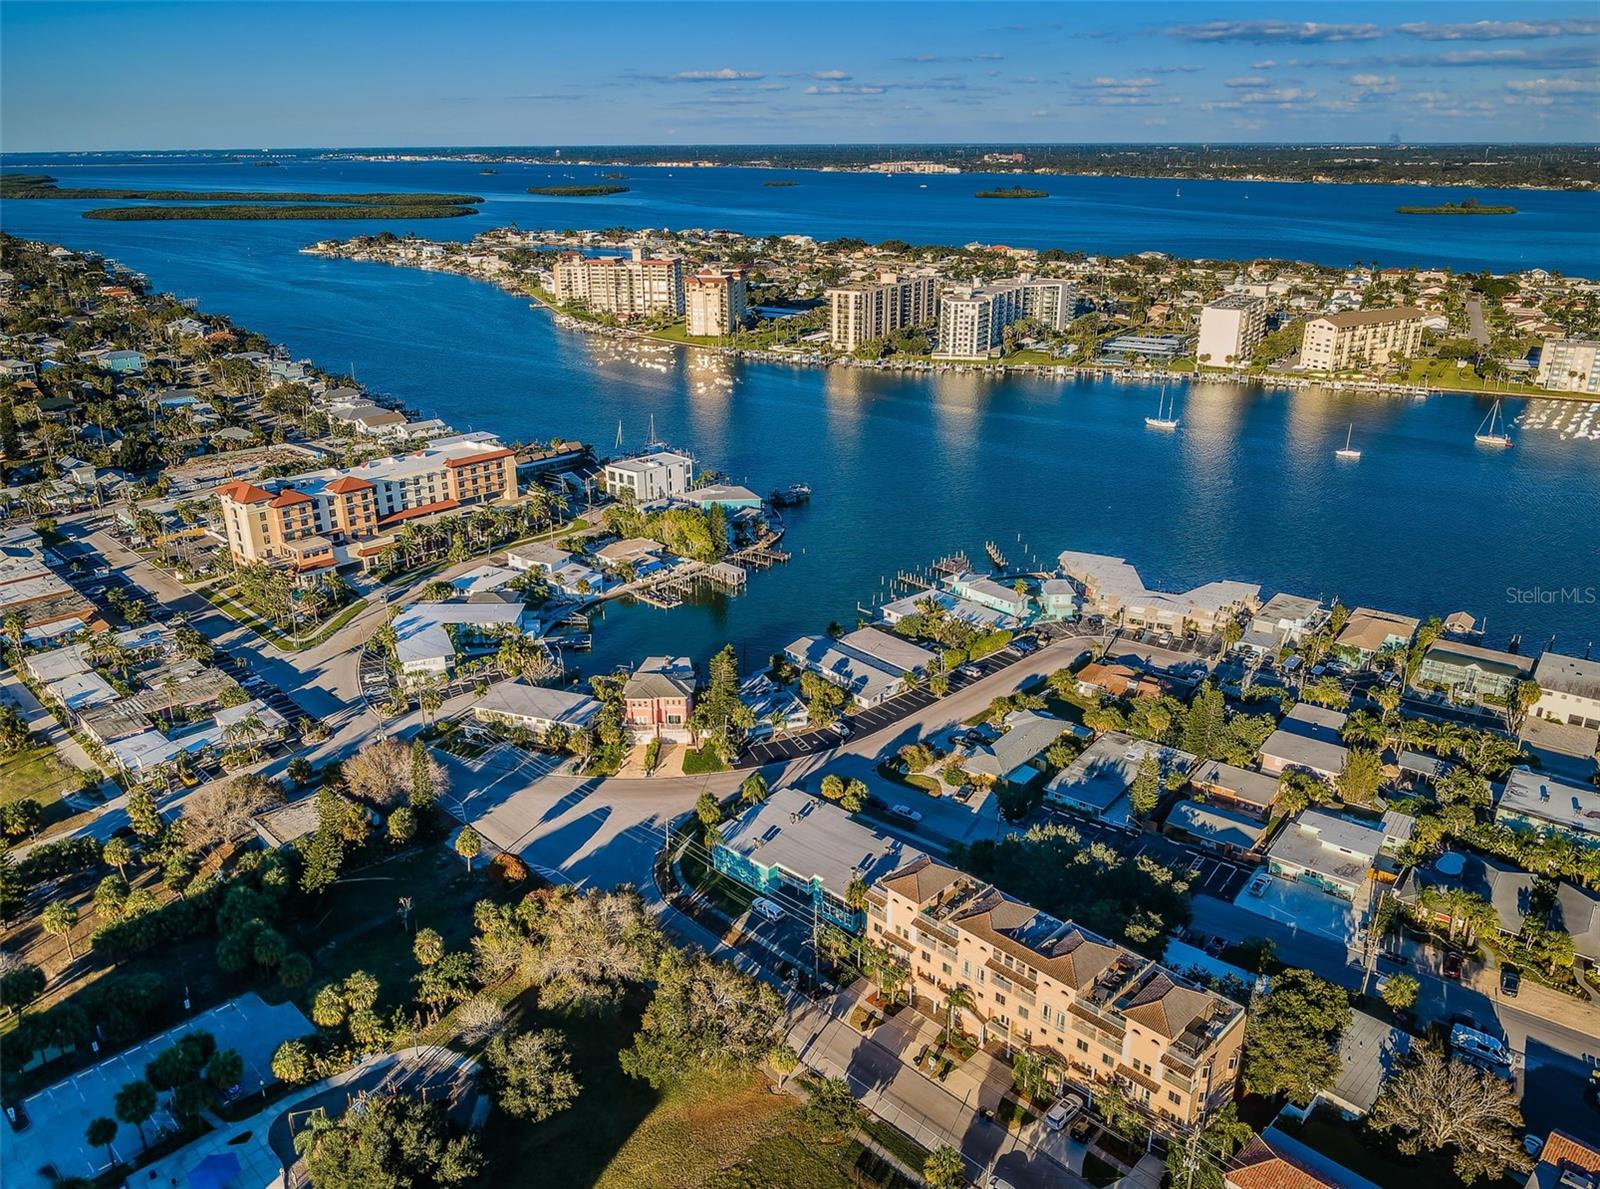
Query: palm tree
[
  {"x": 955, "y": 999},
  {"x": 855, "y": 895}
]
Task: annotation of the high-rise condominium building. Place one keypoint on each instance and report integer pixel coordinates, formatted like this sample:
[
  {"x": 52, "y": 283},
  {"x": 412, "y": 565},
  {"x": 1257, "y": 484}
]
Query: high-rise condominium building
[
  {"x": 1358, "y": 338},
  {"x": 972, "y": 320},
  {"x": 715, "y": 300},
  {"x": 861, "y": 313},
  {"x": 629, "y": 286},
  {"x": 1230, "y": 328},
  {"x": 1570, "y": 365}
]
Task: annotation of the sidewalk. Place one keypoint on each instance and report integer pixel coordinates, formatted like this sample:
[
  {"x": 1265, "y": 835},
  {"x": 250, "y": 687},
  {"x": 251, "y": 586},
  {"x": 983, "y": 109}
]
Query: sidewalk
[{"x": 880, "y": 1075}]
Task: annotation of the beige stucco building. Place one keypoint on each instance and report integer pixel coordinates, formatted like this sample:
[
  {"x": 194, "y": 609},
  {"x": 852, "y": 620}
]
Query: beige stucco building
[
  {"x": 1570, "y": 365},
  {"x": 630, "y": 286},
  {"x": 1359, "y": 338},
  {"x": 1230, "y": 328},
  {"x": 862, "y": 313},
  {"x": 714, "y": 301},
  {"x": 1107, "y": 1014}
]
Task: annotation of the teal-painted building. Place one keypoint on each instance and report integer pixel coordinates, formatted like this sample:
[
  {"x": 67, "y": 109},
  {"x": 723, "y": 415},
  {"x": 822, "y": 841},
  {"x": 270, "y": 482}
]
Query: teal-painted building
[{"x": 803, "y": 853}]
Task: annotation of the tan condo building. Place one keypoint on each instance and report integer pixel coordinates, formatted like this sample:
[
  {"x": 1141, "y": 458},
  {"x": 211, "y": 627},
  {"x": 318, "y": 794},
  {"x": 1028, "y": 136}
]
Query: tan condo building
[
  {"x": 715, "y": 301},
  {"x": 1230, "y": 328},
  {"x": 1108, "y": 1015},
  {"x": 1360, "y": 338},
  {"x": 863, "y": 313},
  {"x": 628, "y": 286},
  {"x": 1570, "y": 365},
  {"x": 306, "y": 521},
  {"x": 973, "y": 320}
]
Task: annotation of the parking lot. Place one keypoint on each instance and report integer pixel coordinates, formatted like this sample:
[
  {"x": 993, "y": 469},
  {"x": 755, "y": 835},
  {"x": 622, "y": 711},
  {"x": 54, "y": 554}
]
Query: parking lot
[
  {"x": 1208, "y": 874},
  {"x": 874, "y": 718}
]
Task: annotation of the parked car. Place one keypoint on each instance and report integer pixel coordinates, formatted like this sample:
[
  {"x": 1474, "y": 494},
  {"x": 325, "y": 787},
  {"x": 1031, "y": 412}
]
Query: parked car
[
  {"x": 905, "y": 811},
  {"x": 1082, "y": 1128},
  {"x": 1258, "y": 885},
  {"x": 766, "y": 908},
  {"x": 970, "y": 672},
  {"x": 1452, "y": 964},
  {"x": 1025, "y": 646},
  {"x": 1510, "y": 981},
  {"x": 1063, "y": 1113},
  {"x": 1532, "y": 1144}
]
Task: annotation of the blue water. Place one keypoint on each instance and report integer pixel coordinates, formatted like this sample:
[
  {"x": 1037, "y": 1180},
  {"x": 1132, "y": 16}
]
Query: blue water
[{"x": 905, "y": 469}]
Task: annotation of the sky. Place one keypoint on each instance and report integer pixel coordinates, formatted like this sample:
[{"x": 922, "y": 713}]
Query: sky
[{"x": 85, "y": 76}]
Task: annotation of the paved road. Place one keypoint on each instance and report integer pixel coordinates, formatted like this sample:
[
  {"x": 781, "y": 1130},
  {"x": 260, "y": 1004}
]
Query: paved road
[{"x": 1475, "y": 323}]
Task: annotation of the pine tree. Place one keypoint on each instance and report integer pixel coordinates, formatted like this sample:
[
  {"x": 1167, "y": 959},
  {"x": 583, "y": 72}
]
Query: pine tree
[{"x": 423, "y": 789}]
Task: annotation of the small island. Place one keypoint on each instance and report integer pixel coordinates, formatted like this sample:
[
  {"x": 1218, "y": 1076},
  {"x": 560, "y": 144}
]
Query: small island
[
  {"x": 776, "y": 185},
  {"x": 577, "y": 191},
  {"x": 1469, "y": 207},
  {"x": 1012, "y": 192},
  {"x": 613, "y": 175}
]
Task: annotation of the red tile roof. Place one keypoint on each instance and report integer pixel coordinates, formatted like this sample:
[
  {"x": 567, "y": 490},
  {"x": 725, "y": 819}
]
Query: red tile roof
[
  {"x": 1561, "y": 1149},
  {"x": 289, "y": 497},
  {"x": 347, "y": 484},
  {"x": 241, "y": 492},
  {"x": 486, "y": 456},
  {"x": 1263, "y": 1167}
]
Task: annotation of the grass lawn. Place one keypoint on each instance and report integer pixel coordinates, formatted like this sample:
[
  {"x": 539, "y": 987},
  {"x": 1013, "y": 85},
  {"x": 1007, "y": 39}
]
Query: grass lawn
[
  {"x": 40, "y": 774},
  {"x": 729, "y": 1132}
]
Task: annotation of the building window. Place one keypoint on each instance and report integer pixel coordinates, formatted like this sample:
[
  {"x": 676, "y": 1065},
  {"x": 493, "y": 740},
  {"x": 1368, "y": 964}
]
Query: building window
[
  {"x": 1107, "y": 1059},
  {"x": 1083, "y": 1046},
  {"x": 1172, "y": 1097}
]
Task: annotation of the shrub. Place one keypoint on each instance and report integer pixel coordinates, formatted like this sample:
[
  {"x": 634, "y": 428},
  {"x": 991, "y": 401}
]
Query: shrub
[{"x": 507, "y": 870}]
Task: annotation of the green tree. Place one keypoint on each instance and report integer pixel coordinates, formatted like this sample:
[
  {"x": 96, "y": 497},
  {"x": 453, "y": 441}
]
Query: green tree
[
  {"x": 831, "y": 1110},
  {"x": 708, "y": 811},
  {"x": 1204, "y": 725},
  {"x": 59, "y": 919},
  {"x": 102, "y": 1133},
  {"x": 394, "y": 1143},
  {"x": 530, "y": 1074},
  {"x": 753, "y": 790},
  {"x": 402, "y": 825},
  {"x": 705, "y": 1015},
  {"x": 1292, "y": 1037},
  {"x": 854, "y": 796},
  {"x": 1401, "y": 991},
  {"x": 423, "y": 786},
  {"x": 143, "y": 815},
  {"x": 292, "y": 1063},
  {"x": 427, "y": 947},
  {"x": 468, "y": 845},
  {"x": 134, "y": 1104},
  {"x": 944, "y": 1169},
  {"x": 1361, "y": 776},
  {"x": 1438, "y": 1105},
  {"x": 1145, "y": 792}
]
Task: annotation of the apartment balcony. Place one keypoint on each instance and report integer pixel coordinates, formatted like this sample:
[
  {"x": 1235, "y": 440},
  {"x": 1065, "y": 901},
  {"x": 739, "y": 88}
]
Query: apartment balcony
[
  {"x": 1176, "y": 1080},
  {"x": 1012, "y": 975}
]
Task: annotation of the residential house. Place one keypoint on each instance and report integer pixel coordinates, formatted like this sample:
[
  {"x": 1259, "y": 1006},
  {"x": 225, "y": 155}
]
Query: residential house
[
  {"x": 1112, "y": 1016},
  {"x": 659, "y": 698},
  {"x": 1533, "y": 801},
  {"x": 1113, "y": 589},
  {"x": 1566, "y": 1163},
  {"x": 1059, "y": 599},
  {"x": 1326, "y": 851},
  {"x": 867, "y": 664},
  {"x": 804, "y": 854},
  {"x": 1370, "y": 1051},
  {"x": 1211, "y": 826},
  {"x": 1278, "y": 1161},
  {"x": 974, "y": 615},
  {"x": 1119, "y": 680},
  {"x": 535, "y": 707},
  {"x": 429, "y": 636},
  {"x": 986, "y": 592},
  {"x": 1471, "y": 671},
  {"x": 727, "y": 496},
  {"x": 1510, "y": 892},
  {"x": 1283, "y": 620},
  {"x": 1307, "y": 740},
  {"x": 1241, "y": 789},
  {"x": 649, "y": 477},
  {"x": 1010, "y": 759},
  {"x": 1368, "y": 632},
  {"x": 1098, "y": 781},
  {"x": 1571, "y": 686}
]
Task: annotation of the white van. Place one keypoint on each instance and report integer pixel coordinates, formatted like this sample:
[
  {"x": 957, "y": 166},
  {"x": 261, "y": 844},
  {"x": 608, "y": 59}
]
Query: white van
[{"x": 766, "y": 908}]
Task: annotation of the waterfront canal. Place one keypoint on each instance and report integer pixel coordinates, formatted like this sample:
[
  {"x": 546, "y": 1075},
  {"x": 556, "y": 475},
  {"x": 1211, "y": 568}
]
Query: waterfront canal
[{"x": 905, "y": 468}]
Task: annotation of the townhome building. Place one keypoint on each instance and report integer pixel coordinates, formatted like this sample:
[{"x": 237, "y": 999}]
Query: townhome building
[
  {"x": 1113, "y": 589},
  {"x": 1571, "y": 686},
  {"x": 649, "y": 477},
  {"x": 1108, "y": 1016}
]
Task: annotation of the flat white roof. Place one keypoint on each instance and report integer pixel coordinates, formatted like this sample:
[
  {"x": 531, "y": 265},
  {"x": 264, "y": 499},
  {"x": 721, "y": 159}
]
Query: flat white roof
[{"x": 1549, "y": 798}]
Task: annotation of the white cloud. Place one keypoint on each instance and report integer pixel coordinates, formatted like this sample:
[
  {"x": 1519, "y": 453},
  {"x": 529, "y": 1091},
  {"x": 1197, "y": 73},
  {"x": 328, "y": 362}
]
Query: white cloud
[
  {"x": 1499, "y": 30},
  {"x": 1250, "y": 80},
  {"x": 830, "y": 75},
  {"x": 1269, "y": 32},
  {"x": 841, "y": 89},
  {"x": 1554, "y": 86},
  {"x": 725, "y": 75}
]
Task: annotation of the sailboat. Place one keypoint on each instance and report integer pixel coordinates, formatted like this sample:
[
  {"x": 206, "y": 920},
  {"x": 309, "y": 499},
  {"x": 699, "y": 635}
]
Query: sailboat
[
  {"x": 1490, "y": 433},
  {"x": 1165, "y": 418},
  {"x": 1348, "y": 451}
]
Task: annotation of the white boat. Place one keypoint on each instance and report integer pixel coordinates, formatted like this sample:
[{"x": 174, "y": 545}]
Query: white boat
[
  {"x": 1348, "y": 451},
  {"x": 1490, "y": 433},
  {"x": 1165, "y": 418}
]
